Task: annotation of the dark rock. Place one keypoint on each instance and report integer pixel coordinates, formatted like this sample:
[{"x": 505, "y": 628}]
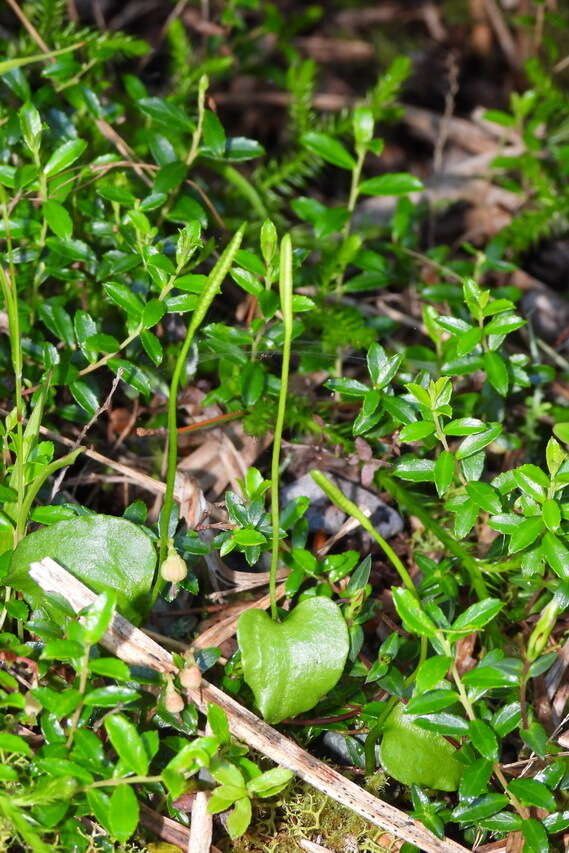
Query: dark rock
[
  {"x": 547, "y": 312},
  {"x": 323, "y": 515}
]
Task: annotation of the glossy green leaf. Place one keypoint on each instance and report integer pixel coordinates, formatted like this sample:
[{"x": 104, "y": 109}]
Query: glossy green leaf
[
  {"x": 551, "y": 514},
  {"x": 497, "y": 372},
  {"x": 556, "y": 554},
  {"x": 415, "y": 470},
  {"x": 110, "y": 696},
  {"x": 398, "y": 183},
  {"x": 269, "y": 783},
  {"x": 213, "y": 133},
  {"x": 382, "y": 368},
  {"x": 525, "y": 534},
  {"x": 328, "y": 149},
  {"x": 239, "y": 817},
  {"x": 98, "y": 803},
  {"x": 410, "y": 611},
  {"x": 14, "y": 744},
  {"x": 532, "y": 793},
  {"x": 479, "y": 808},
  {"x": 106, "y": 553},
  {"x": 474, "y": 443},
  {"x": 444, "y": 471},
  {"x": 165, "y": 113},
  {"x": 535, "y": 836},
  {"x": 485, "y": 496},
  {"x": 131, "y": 374},
  {"x": 478, "y": 615},
  {"x": 58, "y": 219},
  {"x": 64, "y": 156},
  {"x": 414, "y": 756},
  {"x": 110, "y": 668},
  {"x": 291, "y": 665},
  {"x": 248, "y": 537},
  {"x": 464, "y": 426},
  {"x": 484, "y": 739},
  {"x": 84, "y": 394},
  {"x": 127, "y": 743},
  {"x": 443, "y": 723},
  {"x": 417, "y": 432},
  {"x": 124, "y": 298},
  {"x": 152, "y": 346},
  {"x": 561, "y": 430},
  {"x": 123, "y": 812},
  {"x": 240, "y": 148},
  {"x": 556, "y": 822},
  {"x": 532, "y": 481},
  {"x": 430, "y": 673},
  {"x": 432, "y": 701},
  {"x": 253, "y": 383},
  {"x": 475, "y": 778},
  {"x": 153, "y": 312}
]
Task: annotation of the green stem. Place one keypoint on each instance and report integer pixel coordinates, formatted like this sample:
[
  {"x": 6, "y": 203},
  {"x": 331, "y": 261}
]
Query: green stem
[
  {"x": 353, "y": 197},
  {"x": 403, "y": 498},
  {"x": 83, "y": 679},
  {"x": 124, "y": 780},
  {"x": 34, "y": 488},
  {"x": 10, "y": 293},
  {"x": 211, "y": 289},
  {"x": 197, "y": 135},
  {"x": 285, "y": 288},
  {"x": 243, "y": 186},
  {"x": 106, "y": 358},
  {"x": 350, "y": 508}
]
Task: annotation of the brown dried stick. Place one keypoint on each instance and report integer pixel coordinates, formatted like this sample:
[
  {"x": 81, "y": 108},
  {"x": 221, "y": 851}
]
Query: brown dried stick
[{"x": 134, "y": 647}]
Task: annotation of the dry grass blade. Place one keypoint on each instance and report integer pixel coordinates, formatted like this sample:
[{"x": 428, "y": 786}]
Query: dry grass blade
[
  {"x": 134, "y": 647},
  {"x": 258, "y": 735},
  {"x": 201, "y": 826},
  {"x": 224, "y": 628}
]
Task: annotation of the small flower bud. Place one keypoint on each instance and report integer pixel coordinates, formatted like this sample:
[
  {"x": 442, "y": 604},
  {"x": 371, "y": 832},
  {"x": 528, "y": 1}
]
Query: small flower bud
[
  {"x": 32, "y": 706},
  {"x": 173, "y": 702},
  {"x": 542, "y": 630},
  {"x": 174, "y": 568},
  {"x": 191, "y": 677}
]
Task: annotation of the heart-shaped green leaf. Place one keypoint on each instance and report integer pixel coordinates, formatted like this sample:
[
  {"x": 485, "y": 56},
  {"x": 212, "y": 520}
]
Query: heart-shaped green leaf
[
  {"x": 291, "y": 665},
  {"x": 104, "y": 552},
  {"x": 415, "y": 756}
]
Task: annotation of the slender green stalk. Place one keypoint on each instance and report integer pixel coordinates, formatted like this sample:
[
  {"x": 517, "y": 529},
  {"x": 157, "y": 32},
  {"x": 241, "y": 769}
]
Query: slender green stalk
[
  {"x": 10, "y": 64},
  {"x": 243, "y": 186},
  {"x": 10, "y": 294},
  {"x": 350, "y": 508},
  {"x": 285, "y": 289},
  {"x": 34, "y": 488},
  {"x": 197, "y": 135},
  {"x": 403, "y": 498},
  {"x": 83, "y": 679},
  {"x": 211, "y": 289},
  {"x": 123, "y": 780},
  {"x": 354, "y": 188}
]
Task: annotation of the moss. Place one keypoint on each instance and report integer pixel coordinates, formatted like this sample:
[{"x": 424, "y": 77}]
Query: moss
[{"x": 307, "y": 813}]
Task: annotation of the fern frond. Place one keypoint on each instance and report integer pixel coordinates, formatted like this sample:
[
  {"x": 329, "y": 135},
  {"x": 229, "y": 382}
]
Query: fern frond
[
  {"x": 180, "y": 53},
  {"x": 48, "y": 17},
  {"x": 301, "y": 82},
  {"x": 279, "y": 179}
]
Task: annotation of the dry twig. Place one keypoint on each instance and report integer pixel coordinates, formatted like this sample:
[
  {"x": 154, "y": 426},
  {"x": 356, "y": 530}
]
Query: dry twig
[{"x": 134, "y": 647}]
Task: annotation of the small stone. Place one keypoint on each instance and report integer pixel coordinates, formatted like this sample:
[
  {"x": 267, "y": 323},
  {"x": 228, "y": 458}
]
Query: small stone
[
  {"x": 346, "y": 750},
  {"x": 547, "y": 312}
]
